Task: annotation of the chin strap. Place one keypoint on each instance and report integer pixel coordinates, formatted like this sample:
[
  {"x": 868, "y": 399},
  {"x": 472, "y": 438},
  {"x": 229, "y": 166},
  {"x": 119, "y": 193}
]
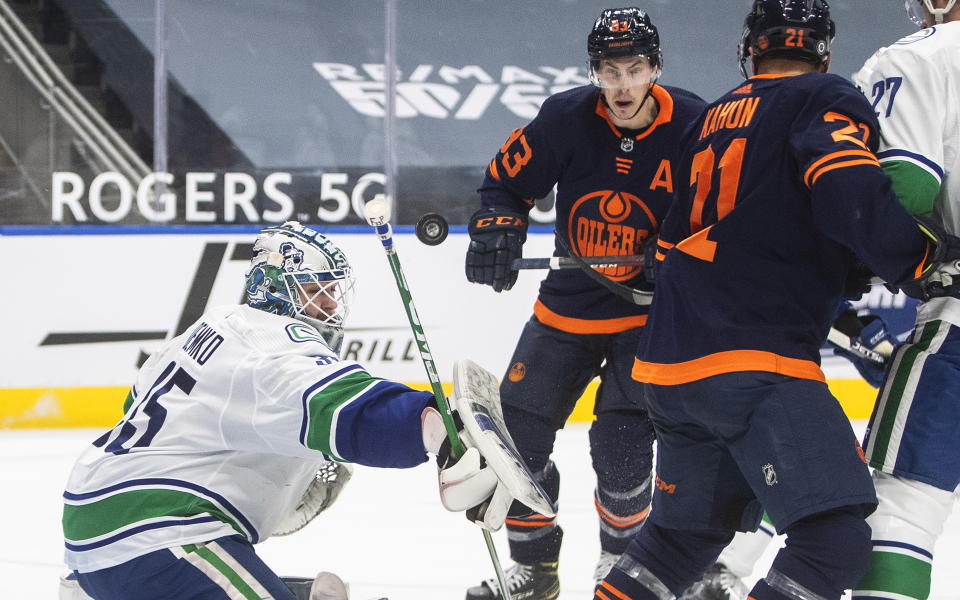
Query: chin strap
[
  {"x": 939, "y": 13},
  {"x": 639, "y": 108}
]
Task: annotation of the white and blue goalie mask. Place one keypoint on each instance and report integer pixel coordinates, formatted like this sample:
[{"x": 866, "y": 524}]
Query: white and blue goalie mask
[{"x": 299, "y": 273}]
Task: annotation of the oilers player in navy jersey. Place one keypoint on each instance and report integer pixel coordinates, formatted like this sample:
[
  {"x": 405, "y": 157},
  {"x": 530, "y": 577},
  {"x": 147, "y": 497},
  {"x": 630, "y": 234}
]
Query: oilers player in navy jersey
[
  {"x": 779, "y": 194},
  {"x": 610, "y": 148}
]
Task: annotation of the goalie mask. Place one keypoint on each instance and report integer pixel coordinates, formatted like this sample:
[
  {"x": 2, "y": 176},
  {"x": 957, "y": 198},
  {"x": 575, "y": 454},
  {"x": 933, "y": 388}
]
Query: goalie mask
[
  {"x": 299, "y": 273},
  {"x": 915, "y": 11},
  {"x": 794, "y": 29}
]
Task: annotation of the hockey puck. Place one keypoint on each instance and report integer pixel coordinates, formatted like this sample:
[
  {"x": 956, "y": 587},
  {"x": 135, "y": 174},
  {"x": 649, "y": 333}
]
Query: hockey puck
[{"x": 432, "y": 229}]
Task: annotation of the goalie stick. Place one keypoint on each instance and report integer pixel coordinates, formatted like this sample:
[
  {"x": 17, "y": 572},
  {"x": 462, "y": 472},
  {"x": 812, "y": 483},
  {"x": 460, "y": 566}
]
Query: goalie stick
[{"x": 377, "y": 214}]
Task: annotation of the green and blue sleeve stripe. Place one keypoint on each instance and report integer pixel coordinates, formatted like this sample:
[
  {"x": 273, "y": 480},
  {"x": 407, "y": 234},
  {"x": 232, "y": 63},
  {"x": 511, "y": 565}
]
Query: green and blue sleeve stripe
[
  {"x": 916, "y": 179},
  {"x": 355, "y": 417}
]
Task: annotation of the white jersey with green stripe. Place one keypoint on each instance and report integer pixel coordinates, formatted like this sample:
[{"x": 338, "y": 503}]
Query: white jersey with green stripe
[
  {"x": 914, "y": 86},
  {"x": 221, "y": 434}
]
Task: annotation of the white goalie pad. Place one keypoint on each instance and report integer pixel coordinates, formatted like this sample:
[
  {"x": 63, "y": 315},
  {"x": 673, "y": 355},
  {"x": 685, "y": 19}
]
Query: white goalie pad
[{"x": 476, "y": 397}]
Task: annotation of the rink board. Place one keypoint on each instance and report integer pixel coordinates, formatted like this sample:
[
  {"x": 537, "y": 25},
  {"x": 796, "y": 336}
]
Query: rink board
[{"x": 95, "y": 305}]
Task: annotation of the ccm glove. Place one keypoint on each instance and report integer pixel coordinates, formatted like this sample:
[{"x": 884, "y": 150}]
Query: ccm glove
[
  {"x": 496, "y": 239},
  {"x": 869, "y": 345},
  {"x": 940, "y": 272}
]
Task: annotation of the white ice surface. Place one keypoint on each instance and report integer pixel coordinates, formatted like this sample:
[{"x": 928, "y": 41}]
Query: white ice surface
[{"x": 387, "y": 535}]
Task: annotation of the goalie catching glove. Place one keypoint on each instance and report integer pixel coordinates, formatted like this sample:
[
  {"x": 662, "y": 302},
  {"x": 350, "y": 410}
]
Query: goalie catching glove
[
  {"x": 490, "y": 475},
  {"x": 323, "y": 491}
]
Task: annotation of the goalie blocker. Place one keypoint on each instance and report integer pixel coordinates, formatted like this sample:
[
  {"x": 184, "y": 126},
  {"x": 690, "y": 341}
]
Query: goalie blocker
[{"x": 490, "y": 475}]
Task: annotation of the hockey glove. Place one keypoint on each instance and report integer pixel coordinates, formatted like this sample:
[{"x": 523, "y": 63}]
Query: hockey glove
[
  {"x": 940, "y": 273},
  {"x": 865, "y": 341},
  {"x": 496, "y": 239},
  {"x": 322, "y": 492}
]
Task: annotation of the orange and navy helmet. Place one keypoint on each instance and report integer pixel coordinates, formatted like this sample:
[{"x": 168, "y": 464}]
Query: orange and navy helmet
[{"x": 796, "y": 29}]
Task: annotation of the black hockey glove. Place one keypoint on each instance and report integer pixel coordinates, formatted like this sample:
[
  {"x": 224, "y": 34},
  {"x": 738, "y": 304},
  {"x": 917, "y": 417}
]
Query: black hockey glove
[
  {"x": 940, "y": 274},
  {"x": 496, "y": 239},
  {"x": 865, "y": 341}
]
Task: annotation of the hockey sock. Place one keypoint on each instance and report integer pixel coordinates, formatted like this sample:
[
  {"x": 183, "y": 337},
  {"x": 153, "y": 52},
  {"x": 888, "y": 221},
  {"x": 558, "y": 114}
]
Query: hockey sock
[
  {"x": 661, "y": 561},
  {"x": 905, "y": 526},
  {"x": 621, "y": 446},
  {"x": 535, "y": 538},
  {"x": 824, "y": 554}
]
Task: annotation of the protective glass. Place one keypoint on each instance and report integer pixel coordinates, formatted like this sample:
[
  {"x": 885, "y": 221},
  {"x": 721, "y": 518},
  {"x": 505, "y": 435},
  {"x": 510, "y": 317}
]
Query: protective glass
[
  {"x": 321, "y": 297},
  {"x": 627, "y": 72}
]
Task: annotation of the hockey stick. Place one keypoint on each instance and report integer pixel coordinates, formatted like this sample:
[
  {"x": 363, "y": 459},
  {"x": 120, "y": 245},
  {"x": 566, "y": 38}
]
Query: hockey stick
[
  {"x": 843, "y": 341},
  {"x": 631, "y": 295},
  {"x": 565, "y": 262},
  {"x": 377, "y": 214},
  {"x": 645, "y": 297}
]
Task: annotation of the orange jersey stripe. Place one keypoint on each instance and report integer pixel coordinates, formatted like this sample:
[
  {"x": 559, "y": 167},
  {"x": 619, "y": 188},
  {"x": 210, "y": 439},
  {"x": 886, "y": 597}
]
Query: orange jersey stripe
[
  {"x": 832, "y": 156},
  {"x": 601, "y": 595},
  {"x": 664, "y": 245},
  {"x": 849, "y": 163},
  {"x": 574, "y": 325},
  {"x": 621, "y": 522},
  {"x": 731, "y": 361},
  {"x": 614, "y": 591}
]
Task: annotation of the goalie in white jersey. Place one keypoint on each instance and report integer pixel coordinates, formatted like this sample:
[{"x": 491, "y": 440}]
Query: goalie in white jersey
[
  {"x": 912, "y": 440},
  {"x": 226, "y": 428}
]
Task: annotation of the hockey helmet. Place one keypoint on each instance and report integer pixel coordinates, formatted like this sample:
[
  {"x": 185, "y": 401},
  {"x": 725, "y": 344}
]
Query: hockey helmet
[
  {"x": 915, "y": 10},
  {"x": 623, "y": 33},
  {"x": 797, "y": 29},
  {"x": 299, "y": 273}
]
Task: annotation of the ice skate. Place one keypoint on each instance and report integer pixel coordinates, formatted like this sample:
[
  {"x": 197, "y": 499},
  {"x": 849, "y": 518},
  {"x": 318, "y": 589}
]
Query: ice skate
[
  {"x": 604, "y": 564},
  {"x": 718, "y": 583},
  {"x": 525, "y": 582}
]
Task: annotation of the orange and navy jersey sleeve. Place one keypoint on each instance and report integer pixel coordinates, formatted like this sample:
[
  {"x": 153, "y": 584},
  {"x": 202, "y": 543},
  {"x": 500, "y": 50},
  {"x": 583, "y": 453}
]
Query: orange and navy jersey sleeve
[
  {"x": 834, "y": 145},
  {"x": 528, "y": 164}
]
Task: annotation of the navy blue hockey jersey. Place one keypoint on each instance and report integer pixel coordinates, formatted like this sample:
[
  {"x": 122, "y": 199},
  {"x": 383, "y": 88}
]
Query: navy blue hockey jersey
[
  {"x": 778, "y": 190},
  {"x": 613, "y": 192}
]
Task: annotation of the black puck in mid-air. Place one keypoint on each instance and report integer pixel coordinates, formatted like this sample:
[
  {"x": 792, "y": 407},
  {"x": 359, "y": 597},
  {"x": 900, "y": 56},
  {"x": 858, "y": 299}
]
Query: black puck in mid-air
[{"x": 432, "y": 229}]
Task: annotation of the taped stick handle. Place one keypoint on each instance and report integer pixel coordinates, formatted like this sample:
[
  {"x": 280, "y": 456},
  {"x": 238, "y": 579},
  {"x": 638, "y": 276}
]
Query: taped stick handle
[{"x": 565, "y": 262}]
